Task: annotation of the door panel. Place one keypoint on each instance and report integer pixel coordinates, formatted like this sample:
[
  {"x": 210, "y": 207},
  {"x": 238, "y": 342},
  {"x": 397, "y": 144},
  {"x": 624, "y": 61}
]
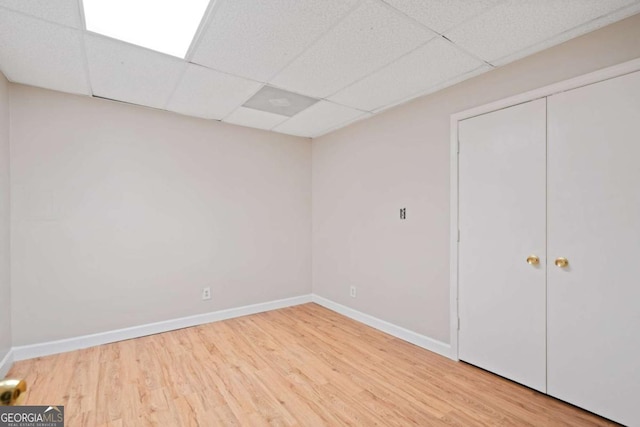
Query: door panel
[
  {"x": 502, "y": 221},
  {"x": 594, "y": 221}
]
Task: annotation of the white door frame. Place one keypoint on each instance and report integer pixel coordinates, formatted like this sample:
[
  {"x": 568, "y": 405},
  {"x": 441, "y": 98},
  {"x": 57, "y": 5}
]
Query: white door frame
[{"x": 584, "y": 80}]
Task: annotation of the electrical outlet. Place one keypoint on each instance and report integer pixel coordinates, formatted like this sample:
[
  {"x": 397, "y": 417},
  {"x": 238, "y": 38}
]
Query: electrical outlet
[
  {"x": 206, "y": 293},
  {"x": 352, "y": 292}
]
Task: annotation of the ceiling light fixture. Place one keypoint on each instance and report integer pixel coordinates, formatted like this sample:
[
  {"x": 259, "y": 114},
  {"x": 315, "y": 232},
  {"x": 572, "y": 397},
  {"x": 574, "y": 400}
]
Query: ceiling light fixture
[{"x": 166, "y": 26}]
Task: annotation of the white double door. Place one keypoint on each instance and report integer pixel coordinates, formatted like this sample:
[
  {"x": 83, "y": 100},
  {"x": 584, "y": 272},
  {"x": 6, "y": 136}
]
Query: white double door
[{"x": 557, "y": 177}]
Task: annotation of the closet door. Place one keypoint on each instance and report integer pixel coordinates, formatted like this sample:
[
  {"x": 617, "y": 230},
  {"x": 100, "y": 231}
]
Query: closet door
[
  {"x": 594, "y": 222},
  {"x": 502, "y": 223}
]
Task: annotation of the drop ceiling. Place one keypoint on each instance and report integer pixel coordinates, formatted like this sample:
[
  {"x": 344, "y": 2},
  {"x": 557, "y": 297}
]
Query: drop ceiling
[{"x": 355, "y": 57}]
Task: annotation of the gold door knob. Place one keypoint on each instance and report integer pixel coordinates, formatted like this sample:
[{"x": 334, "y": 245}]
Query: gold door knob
[
  {"x": 562, "y": 262},
  {"x": 533, "y": 260},
  {"x": 12, "y": 392}
]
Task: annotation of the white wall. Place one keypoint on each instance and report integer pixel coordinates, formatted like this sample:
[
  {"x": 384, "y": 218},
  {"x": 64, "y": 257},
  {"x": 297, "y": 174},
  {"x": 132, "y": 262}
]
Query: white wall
[
  {"x": 363, "y": 175},
  {"x": 5, "y": 288},
  {"x": 122, "y": 214}
]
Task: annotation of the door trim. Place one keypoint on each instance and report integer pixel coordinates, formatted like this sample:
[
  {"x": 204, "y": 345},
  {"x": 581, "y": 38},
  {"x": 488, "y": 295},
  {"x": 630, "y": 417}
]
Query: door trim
[{"x": 574, "y": 83}]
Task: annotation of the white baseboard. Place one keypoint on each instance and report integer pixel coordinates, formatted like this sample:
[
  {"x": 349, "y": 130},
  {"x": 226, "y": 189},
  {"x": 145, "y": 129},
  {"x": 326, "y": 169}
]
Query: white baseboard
[
  {"x": 77, "y": 343},
  {"x": 6, "y": 363},
  {"x": 425, "y": 342},
  {"x": 70, "y": 344}
]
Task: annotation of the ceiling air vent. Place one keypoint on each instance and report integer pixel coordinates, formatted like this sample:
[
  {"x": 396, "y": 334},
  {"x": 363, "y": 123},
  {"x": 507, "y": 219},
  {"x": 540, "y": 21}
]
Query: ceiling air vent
[{"x": 278, "y": 101}]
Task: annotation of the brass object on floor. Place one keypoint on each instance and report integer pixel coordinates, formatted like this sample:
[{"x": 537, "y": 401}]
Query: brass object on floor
[{"x": 12, "y": 391}]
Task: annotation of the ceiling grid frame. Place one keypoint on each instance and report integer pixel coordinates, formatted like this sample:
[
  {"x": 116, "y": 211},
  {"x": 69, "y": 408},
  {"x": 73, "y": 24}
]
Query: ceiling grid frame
[
  {"x": 84, "y": 46},
  {"x": 48, "y": 16},
  {"x": 356, "y": 5}
]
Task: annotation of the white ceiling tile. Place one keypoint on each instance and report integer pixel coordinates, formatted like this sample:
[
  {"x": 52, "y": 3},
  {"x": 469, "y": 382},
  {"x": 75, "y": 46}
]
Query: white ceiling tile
[
  {"x": 254, "y": 118},
  {"x": 441, "y": 15},
  {"x": 461, "y": 77},
  {"x": 343, "y": 125},
  {"x": 255, "y": 38},
  {"x": 318, "y": 118},
  {"x": 411, "y": 75},
  {"x": 65, "y": 12},
  {"x": 132, "y": 74},
  {"x": 210, "y": 94},
  {"x": 519, "y": 24},
  {"x": 575, "y": 32},
  {"x": 365, "y": 54},
  {"x": 39, "y": 53},
  {"x": 369, "y": 38}
]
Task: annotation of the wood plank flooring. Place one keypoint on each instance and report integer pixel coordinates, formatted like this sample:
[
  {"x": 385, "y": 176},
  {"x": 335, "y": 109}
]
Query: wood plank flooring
[{"x": 300, "y": 366}]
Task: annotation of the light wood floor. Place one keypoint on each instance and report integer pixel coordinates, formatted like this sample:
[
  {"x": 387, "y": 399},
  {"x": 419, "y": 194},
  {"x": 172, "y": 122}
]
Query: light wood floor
[{"x": 304, "y": 366}]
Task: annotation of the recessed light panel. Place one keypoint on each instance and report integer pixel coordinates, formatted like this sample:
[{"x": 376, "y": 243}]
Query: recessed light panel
[
  {"x": 278, "y": 101},
  {"x": 166, "y": 26}
]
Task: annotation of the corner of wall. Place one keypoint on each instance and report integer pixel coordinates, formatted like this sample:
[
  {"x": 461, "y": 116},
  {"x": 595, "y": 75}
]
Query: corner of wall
[
  {"x": 6, "y": 338},
  {"x": 6, "y": 363}
]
